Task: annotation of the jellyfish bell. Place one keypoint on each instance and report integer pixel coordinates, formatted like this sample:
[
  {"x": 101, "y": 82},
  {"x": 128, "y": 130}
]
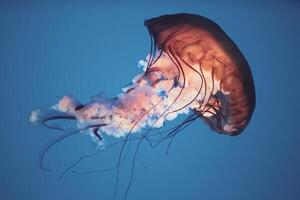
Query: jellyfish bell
[{"x": 198, "y": 44}]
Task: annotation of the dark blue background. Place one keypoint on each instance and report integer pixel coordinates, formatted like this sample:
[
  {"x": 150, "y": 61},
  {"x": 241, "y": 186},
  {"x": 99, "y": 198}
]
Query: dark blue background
[{"x": 50, "y": 49}]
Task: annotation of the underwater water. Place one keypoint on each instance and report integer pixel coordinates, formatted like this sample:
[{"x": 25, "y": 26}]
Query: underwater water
[{"x": 51, "y": 49}]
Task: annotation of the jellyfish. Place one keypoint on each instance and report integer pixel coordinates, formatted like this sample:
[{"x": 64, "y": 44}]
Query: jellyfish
[{"x": 193, "y": 69}]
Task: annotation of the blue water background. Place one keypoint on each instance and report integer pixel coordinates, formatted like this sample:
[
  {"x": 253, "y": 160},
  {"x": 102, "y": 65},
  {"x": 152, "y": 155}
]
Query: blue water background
[{"x": 54, "y": 48}]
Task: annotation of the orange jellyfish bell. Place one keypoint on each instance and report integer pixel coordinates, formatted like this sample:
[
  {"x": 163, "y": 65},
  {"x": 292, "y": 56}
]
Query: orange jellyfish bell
[{"x": 227, "y": 87}]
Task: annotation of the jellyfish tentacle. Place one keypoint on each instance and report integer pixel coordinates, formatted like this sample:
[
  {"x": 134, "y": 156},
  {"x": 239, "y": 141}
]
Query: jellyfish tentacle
[
  {"x": 133, "y": 166},
  {"x": 59, "y": 139},
  {"x": 95, "y": 132},
  {"x": 91, "y": 155},
  {"x": 81, "y": 158},
  {"x": 186, "y": 124},
  {"x": 52, "y": 143},
  {"x": 62, "y": 117},
  {"x": 212, "y": 89},
  {"x": 151, "y": 54},
  {"x": 194, "y": 98},
  {"x": 174, "y": 130}
]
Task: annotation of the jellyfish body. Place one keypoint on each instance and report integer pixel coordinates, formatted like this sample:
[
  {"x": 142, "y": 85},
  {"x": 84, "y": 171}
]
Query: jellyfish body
[{"x": 193, "y": 68}]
